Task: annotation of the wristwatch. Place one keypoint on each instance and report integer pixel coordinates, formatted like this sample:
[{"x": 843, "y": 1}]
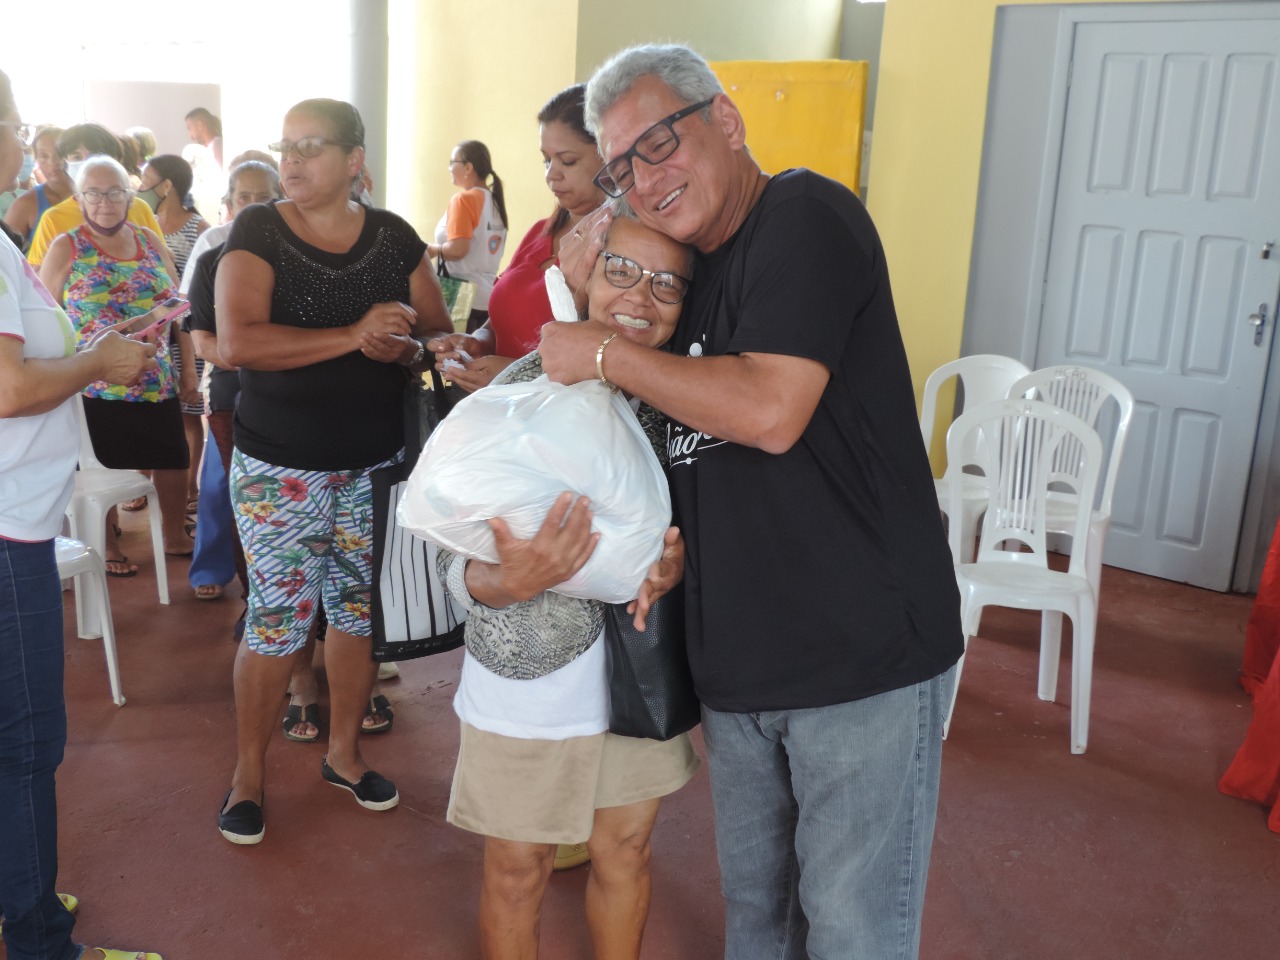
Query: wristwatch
[{"x": 417, "y": 357}]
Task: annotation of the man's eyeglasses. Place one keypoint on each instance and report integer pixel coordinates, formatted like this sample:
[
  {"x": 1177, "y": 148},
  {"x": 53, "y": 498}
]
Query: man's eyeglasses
[
  {"x": 655, "y": 145},
  {"x": 114, "y": 195},
  {"x": 625, "y": 273},
  {"x": 307, "y": 148},
  {"x": 24, "y": 130}
]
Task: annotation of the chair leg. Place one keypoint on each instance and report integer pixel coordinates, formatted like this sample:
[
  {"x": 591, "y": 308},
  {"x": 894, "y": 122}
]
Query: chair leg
[
  {"x": 89, "y": 526},
  {"x": 955, "y": 688},
  {"x": 157, "y": 549},
  {"x": 1084, "y": 626},
  {"x": 109, "y": 638},
  {"x": 1050, "y": 652}
]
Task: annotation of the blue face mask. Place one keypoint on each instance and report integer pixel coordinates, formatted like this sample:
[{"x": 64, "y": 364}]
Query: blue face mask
[{"x": 28, "y": 166}]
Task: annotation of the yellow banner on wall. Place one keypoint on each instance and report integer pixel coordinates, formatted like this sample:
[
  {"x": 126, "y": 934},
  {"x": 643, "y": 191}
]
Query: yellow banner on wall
[{"x": 801, "y": 113}]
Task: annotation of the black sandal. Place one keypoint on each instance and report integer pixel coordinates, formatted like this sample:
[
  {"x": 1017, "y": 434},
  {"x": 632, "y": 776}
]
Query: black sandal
[{"x": 380, "y": 708}]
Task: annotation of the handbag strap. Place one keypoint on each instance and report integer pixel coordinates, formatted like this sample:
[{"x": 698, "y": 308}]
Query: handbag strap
[
  {"x": 441, "y": 269},
  {"x": 414, "y": 390}
]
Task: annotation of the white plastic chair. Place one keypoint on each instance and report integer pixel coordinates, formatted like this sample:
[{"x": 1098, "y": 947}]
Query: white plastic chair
[
  {"x": 1085, "y": 392},
  {"x": 1032, "y": 449},
  {"x": 983, "y": 377},
  {"x": 97, "y": 490},
  {"x": 75, "y": 561}
]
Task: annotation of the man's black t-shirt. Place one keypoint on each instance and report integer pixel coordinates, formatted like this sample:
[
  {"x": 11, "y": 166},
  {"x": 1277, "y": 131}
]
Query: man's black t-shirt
[
  {"x": 820, "y": 575},
  {"x": 224, "y": 384},
  {"x": 348, "y": 412}
]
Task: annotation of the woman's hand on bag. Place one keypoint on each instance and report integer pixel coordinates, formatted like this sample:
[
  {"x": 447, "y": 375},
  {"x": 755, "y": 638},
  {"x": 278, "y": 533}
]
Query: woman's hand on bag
[
  {"x": 663, "y": 575},
  {"x": 557, "y": 551},
  {"x": 568, "y": 350}
]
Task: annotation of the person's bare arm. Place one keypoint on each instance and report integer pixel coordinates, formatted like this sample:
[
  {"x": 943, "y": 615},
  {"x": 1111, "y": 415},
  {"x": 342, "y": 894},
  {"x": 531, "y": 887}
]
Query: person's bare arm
[
  {"x": 248, "y": 338},
  {"x": 762, "y": 400},
  {"x": 56, "y": 266},
  {"x": 29, "y": 387},
  {"x": 22, "y": 213},
  {"x": 206, "y": 347}
]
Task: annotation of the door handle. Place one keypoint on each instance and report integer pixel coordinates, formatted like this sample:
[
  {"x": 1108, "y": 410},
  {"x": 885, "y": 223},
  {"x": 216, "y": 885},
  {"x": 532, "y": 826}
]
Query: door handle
[{"x": 1259, "y": 321}]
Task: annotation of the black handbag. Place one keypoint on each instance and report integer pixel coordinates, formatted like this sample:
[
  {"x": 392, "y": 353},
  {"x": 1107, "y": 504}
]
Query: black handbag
[
  {"x": 413, "y": 614},
  {"x": 651, "y": 692}
]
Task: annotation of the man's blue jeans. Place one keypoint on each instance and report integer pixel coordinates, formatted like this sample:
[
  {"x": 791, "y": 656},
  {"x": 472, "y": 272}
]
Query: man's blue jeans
[
  {"x": 824, "y": 823},
  {"x": 33, "y": 732}
]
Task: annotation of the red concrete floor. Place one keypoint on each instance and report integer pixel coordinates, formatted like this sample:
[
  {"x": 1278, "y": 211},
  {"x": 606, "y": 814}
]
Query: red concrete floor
[{"x": 1125, "y": 852}]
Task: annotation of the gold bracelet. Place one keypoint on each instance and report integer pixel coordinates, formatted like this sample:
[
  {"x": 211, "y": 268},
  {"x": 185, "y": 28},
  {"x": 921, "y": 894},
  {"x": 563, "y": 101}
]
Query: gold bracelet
[{"x": 600, "y": 362}]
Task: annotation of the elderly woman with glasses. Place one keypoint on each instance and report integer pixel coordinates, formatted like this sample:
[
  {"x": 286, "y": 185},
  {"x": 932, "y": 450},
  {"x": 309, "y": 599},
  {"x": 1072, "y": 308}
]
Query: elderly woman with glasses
[
  {"x": 537, "y": 766},
  {"x": 324, "y": 305},
  {"x": 107, "y": 272}
]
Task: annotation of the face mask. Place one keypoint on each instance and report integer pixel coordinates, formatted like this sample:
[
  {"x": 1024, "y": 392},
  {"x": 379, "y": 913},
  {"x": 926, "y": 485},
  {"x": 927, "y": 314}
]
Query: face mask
[
  {"x": 73, "y": 168},
  {"x": 151, "y": 198},
  {"x": 109, "y": 231},
  {"x": 28, "y": 165}
]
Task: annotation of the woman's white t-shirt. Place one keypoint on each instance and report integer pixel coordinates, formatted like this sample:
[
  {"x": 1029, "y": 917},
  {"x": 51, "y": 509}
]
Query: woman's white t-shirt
[
  {"x": 37, "y": 454},
  {"x": 480, "y": 265}
]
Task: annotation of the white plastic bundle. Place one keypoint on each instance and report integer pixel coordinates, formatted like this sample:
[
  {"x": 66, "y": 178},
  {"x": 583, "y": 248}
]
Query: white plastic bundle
[{"x": 509, "y": 450}]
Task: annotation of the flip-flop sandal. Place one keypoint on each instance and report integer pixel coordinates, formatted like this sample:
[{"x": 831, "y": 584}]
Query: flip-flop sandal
[
  {"x": 212, "y": 591},
  {"x": 106, "y": 953},
  {"x": 69, "y": 900},
  {"x": 129, "y": 569},
  {"x": 295, "y": 714},
  {"x": 189, "y": 528},
  {"x": 193, "y": 504},
  {"x": 380, "y": 709},
  {"x": 134, "y": 505}
]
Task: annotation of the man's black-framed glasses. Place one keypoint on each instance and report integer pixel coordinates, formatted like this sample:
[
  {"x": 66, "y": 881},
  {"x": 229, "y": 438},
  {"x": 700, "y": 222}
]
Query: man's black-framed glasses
[
  {"x": 656, "y": 144},
  {"x": 625, "y": 273}
]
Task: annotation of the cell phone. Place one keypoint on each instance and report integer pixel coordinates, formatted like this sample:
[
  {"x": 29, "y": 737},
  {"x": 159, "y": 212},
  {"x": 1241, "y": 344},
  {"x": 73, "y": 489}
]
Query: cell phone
[{"x": 172, "y": 307}]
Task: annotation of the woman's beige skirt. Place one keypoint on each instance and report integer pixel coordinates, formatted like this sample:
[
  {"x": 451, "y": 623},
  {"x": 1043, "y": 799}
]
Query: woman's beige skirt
[{"x": 547, "y": 791}]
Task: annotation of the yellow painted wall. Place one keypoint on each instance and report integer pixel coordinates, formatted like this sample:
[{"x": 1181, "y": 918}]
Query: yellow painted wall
[
  {"x": 935, "y": 62},
  {"x": 462, "y": 72},
  {"x": 717, "y": 29}
]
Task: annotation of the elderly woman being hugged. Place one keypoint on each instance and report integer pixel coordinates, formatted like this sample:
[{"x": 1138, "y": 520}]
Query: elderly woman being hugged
[{"x": 537, "y": 766}]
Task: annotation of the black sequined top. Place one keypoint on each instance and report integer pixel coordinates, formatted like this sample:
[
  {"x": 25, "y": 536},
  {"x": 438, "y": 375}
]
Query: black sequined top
[{"x": 347, "y": 412}]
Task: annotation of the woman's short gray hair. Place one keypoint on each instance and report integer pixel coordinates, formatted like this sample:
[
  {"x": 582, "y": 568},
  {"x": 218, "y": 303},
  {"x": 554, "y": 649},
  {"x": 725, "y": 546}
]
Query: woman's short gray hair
[
  {"x": 101, "y": 161},
  {"x": 680, "y": 68}
]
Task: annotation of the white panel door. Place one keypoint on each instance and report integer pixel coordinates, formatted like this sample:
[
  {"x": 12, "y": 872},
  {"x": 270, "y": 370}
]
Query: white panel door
[{"x": 1168, "y": 194}]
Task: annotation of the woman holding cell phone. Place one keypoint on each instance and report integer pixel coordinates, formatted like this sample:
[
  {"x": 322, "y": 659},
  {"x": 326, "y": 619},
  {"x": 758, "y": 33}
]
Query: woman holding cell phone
[{"x": 108, "y": 273}]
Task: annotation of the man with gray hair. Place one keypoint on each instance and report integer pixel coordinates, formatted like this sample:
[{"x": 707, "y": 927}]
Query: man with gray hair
[{"x": 823, "y": 615}]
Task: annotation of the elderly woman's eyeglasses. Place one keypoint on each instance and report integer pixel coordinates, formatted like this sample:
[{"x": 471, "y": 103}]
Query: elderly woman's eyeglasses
[
  {"x": 307, "y": 148},
  {"x": 24, "y": 130},
  {"x": 655, "y": 145},
  {"x": 625, "y": 273},
  {"x": 114, "y": 195}
]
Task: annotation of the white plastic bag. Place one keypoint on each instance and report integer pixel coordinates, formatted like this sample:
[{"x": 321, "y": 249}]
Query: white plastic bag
[{"x": 509, "y": 450}]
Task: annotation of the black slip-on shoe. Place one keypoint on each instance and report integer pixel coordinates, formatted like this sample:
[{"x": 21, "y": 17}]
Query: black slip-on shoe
[
  {"x": 242, "y": 823},
  {"x": 372, "y": 791}
]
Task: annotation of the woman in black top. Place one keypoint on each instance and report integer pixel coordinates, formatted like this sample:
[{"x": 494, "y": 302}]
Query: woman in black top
[{"x": 320, "y": 302}]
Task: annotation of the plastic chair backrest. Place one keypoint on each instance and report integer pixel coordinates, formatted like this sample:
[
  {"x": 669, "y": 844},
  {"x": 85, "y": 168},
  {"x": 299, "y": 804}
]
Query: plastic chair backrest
[
  {"x": 1084, "y": 392},
  {"x": 982, "y": 377},
  {"x": 1022, "y": 444},
  {"x": 88, "y": 459}
]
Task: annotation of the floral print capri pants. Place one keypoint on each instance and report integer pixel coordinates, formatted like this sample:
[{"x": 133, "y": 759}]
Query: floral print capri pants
[{"x": 308, "y": 537}]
